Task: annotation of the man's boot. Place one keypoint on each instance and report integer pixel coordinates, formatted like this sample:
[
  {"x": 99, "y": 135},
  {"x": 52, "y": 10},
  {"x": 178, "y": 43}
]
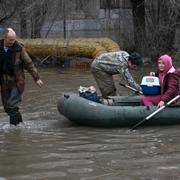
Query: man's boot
[
  {"x": 19, "y": 117},
  {"x": 16, "y": 119},
  {"x": 13, "y": 120}
]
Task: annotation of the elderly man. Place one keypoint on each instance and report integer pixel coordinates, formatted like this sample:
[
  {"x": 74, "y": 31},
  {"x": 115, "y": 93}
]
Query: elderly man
[
  {"x": 13, "y": 60},
  {"x": 108, "y": 64}
]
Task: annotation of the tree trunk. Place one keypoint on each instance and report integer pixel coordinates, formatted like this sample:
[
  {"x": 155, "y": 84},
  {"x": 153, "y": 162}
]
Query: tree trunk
[
  {"x": 23, "y": 21},
  {"x": 138, "y": 11},
  {"x": 161, "y": 21},
  {"x": 38, "y": 17}
]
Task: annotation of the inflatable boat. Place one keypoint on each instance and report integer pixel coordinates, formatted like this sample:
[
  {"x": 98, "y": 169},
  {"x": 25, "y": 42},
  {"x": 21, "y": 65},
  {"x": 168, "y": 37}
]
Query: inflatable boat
[{"x": 124, "y": 111}]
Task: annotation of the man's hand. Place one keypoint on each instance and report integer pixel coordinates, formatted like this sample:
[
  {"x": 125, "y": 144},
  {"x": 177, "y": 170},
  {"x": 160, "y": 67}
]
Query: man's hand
[{"x": 39, "y": 83}]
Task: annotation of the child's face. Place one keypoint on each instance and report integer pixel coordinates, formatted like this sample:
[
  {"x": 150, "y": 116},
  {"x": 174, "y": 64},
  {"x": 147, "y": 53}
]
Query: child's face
[{"x": 161, "y": 65}]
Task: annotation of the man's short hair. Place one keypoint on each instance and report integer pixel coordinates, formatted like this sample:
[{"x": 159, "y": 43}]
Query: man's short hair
[{"x": 135, "y": 58}]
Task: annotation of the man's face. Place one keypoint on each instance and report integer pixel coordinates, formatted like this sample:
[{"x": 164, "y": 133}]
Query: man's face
[
  {"x": 132, "y": 66},
  {"x": 9, "y": 40}
]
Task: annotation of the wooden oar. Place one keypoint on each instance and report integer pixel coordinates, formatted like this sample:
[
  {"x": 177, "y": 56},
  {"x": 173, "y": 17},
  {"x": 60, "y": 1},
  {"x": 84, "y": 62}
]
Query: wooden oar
[
  {"x": 155, "y": 112},
  {"x": 129, "y": 87}
]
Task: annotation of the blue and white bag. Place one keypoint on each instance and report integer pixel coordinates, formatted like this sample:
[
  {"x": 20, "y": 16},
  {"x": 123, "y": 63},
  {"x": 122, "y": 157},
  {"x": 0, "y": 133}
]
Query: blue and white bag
[{"x": 88, "y": 93}]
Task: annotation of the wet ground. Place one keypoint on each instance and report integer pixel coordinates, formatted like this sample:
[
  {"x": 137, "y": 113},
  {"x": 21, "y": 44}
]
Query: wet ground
[{"x": 51, "y": 147}]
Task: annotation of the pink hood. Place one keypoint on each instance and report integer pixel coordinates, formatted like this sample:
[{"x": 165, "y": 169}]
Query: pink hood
[{"x": 167, "y": 60}]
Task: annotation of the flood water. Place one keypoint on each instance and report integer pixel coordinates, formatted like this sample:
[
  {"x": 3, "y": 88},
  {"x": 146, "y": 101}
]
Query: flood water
[{"x": 51, "y": 147}]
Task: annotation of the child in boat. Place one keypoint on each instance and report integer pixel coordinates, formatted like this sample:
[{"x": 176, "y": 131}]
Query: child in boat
[{"x": 169, "y": 82}]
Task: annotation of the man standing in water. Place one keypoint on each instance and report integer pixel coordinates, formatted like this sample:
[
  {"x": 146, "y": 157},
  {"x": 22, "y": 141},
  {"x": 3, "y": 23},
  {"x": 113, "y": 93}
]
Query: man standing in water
[{"x": 13, "y": 60}]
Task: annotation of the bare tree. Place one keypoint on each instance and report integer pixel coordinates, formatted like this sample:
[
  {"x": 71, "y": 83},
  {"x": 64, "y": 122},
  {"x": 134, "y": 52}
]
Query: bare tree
[
  {"x": 138, "y": 11},
  {"x": 39, "y": 10},
  {"x": 54, "y": 18},
  {"x": 23, "y": 19},
  {"x": 161, "y": 22},
  {"x": 8, "y": 9}
]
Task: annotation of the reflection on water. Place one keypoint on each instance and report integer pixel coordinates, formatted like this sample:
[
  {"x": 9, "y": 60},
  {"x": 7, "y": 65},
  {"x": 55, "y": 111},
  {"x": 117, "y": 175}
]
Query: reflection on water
[{"x": 50, "y": 147}]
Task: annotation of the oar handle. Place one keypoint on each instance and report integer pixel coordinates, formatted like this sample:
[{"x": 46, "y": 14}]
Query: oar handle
[
  {"x": 129, "y": 87},
  {"x": 155, "y": 112},
  {"x": 122, "y": 84}
]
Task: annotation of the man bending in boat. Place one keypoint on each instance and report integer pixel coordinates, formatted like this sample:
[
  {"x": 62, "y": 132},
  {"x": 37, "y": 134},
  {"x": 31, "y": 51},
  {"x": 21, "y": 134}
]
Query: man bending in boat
[{"x": 108, "y": 64}]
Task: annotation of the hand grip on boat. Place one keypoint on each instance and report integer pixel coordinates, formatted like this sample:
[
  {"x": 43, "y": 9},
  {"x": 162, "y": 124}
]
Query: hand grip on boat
[
  {"x": 155, "y": 112},
  {"x": 129, "y": 87}
]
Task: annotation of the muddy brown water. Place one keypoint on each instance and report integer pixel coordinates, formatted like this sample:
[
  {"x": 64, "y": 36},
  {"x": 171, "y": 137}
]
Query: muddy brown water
[{"x": 51, "y": 147}]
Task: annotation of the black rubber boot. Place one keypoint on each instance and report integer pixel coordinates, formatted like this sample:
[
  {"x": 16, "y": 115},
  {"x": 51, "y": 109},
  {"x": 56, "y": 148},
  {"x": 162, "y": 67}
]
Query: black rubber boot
[
  {"x": 13, "y": 120},
  {"x": 19, "y": 117},
  {"x": 16, "y": 119}
]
